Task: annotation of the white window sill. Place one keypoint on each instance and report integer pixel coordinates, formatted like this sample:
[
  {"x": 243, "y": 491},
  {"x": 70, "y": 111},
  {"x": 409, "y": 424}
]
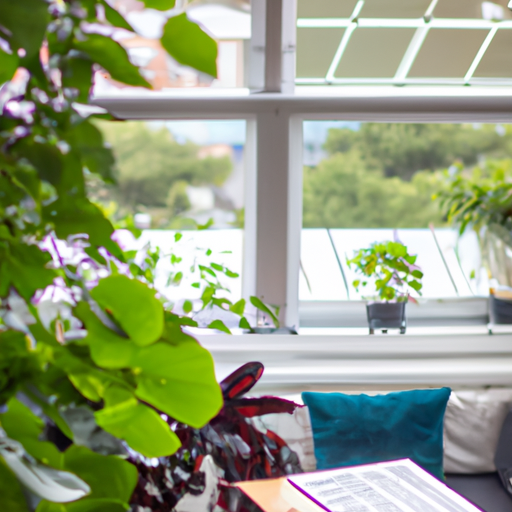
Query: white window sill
[{"x": 337, "y": 362}]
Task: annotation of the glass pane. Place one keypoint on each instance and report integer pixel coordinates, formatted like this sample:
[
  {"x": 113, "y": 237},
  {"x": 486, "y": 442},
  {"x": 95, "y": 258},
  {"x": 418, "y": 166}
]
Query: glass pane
[
  {"x": 369, "y": 182},
  {"x": 496, "y": 61},
  {"x": 437, "y": 281},
  {"x": 231, "y": 27},
  {"x": 316, "y": 48},
  {"x": 226, "y": 246},
  {"x": 325, "y": 8},
  {"x": 317, "y": 247},
  {"x": 447, "y": 53},
  {"x": 176, "y": 176},
  {"x": 394, "y": 8},
  {"x": 440, "y": 41},
  {"x": 471, "y": 9},
  {"x": 374, "y": 52}
]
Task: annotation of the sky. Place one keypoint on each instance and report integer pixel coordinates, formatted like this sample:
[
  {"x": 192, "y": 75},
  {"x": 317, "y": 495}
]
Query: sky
[{"x": 232, "y": 132}]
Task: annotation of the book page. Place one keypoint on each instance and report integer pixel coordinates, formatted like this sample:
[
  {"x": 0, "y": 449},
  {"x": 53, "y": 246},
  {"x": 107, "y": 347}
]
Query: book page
[{"x": 397, "y": 486}]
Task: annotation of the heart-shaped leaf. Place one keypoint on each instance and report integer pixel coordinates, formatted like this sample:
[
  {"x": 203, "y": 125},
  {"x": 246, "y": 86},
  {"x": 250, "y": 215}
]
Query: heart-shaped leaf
[
  {"x": 141, "y": 427},
  {"x": 180, "y": 381},
  {"x": 133, "y": 305},
  {"x": 112, "y": 57},
  {"x": 108, "y": 349},
  {"x": 186, "y": 41}
]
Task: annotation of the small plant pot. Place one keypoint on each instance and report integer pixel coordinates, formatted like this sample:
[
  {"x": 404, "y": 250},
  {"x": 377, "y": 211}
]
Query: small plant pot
[
  {"x": 500, "y": 311},
  {"x": 386, "y": 315}
]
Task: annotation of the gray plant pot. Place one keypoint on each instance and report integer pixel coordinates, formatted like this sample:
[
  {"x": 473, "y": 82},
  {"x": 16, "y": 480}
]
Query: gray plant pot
[
  {"x": 500, "y": 311},
  {"x": 386, "y": 315}
]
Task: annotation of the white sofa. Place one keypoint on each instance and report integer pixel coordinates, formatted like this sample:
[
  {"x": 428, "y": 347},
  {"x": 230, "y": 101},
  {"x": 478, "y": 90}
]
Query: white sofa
[{"x": 472, "y": 427}]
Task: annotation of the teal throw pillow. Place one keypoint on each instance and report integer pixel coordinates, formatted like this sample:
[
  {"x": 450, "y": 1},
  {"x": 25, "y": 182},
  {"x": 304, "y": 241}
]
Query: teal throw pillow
[{"x": 359, "y": 429}]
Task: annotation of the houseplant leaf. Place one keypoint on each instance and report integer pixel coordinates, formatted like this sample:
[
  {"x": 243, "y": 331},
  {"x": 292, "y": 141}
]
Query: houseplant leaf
[
  {"x": 108, "y": 475},
  {"x": 26, "y": 20},
  {"x": 88, "y": 141},
  {"x": 257, "y": 303},
  {"x": 134, "y": 306},
  {"x": 8, "y": 65},
  {"x": 23, "y": 266},
  {"x": 108, "y": 349},
  {"x": 77, "y": 73},
  {"x": 112, "y": 57},
  {"x": 219, "y": 325},
  {"x": 43, "y": 481},
  {"x": 89, "y": 505},
  {"x": 72, "y": 216},
  {"x": 176, "y": 378},
  {"x": 161, "y": 5},
  {"x": 190, "y": 45},
  {"x": 11, "y": 495},
  {"x": 22, "y": 425},
  {"x": 141, "y": 427},
  {"x": 115, "y": 18}
]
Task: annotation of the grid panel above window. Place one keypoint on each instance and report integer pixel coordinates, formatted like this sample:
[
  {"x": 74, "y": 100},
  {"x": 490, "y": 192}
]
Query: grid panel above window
[{"x": 445, "y": 42}]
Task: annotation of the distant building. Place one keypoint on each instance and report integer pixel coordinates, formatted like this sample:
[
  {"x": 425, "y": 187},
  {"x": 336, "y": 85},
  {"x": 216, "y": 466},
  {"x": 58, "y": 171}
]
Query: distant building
[{"x": 230, "y": 27}]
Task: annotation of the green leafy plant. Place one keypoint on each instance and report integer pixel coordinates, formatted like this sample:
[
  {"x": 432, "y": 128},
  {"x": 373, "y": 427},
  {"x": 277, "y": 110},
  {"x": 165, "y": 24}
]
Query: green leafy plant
[
  {"x": 390, "y": 268},
  {"x": 84, "y": 340},
  {"x": 210, "y": 278},
  {"x": 478, "y": 197}
]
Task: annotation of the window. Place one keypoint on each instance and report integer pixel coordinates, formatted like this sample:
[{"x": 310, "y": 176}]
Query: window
[
  {"x": 275, "y": 153},
  {"x": 177, "y": 176},
  {"x": 365, "y": 182},
  {"x": 368, "y": 182},
  {"x": 392, "y": 42},
  {"x": 229, "y": 25}
]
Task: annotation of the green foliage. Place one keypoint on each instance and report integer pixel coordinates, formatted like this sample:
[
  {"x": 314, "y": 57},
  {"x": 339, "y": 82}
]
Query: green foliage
[
  {"x": 257, "y": 303},
  {"x": 21, "y": 424},
  {"x": 161, "y": 5},
  {"x": 155, "y": 367},
  {"x": 177, "y": 199},
  {"x": 167, "y": 165},
  {"x": 142, "y": 320},
  {"x": 478, "y": 197},
  {"x": 8, "y": 65},
  {"x": 190, "y": 45},
  {"x": 12, "y": 498},
  {"x": 209, "y": 277},
  {"x": 343, "y": 192},
  {"x": 219, "y": 325},
  {"x": 26, "y": 23},
  {"x": 115, "y": 18},
  {"x": 111, "y": 56},
  {"x": 384, "y": 174},
  {"x": 23, "y": 266},
  {"x": 402, "y": 149},
  {"x": 187, "y": 377},
  {"x": 17, "y": 363},
  {"x": 107, "y": 344},
  {"x": 137, "y": 424},
  {"x": 110, "y": 478},
  {"x": 391, "y": 268}
]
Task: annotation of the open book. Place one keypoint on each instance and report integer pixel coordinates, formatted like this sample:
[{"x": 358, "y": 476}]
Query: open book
[{"x": 397, "y": 486}]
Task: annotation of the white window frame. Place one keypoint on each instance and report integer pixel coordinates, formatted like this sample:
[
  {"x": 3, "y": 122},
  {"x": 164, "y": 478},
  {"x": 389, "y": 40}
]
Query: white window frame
[
  {"x": 273, "y": 213},
  {"x": 274, "y": 158}
]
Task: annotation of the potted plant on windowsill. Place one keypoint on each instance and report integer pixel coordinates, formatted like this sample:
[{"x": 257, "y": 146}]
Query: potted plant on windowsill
[
  {"x": 393, "y": 272},
  {"x": 480, "y": 199}
]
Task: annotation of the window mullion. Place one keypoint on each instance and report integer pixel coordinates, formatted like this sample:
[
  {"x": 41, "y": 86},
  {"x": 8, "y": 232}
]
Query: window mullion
[
  {"x": 289, "y": 46},
  {"x": 272, "y": 208}
]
